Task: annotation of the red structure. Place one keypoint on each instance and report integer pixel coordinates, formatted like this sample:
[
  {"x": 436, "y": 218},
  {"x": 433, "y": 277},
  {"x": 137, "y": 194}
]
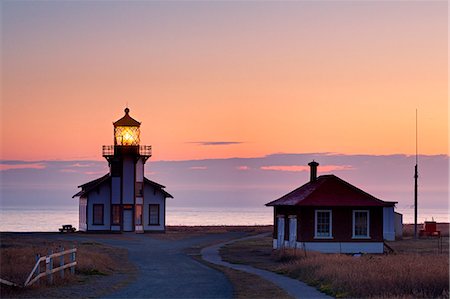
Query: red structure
[{"x": 429, "y": 230}]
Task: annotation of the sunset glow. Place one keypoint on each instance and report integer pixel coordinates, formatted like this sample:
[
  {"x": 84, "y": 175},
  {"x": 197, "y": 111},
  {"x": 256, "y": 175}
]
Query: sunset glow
[{"x": 268, "y": 77}]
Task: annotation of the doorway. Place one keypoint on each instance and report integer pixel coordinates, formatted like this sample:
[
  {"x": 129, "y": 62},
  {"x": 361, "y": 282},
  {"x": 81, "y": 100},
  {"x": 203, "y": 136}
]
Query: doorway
[{"x": 127, "y": 220}]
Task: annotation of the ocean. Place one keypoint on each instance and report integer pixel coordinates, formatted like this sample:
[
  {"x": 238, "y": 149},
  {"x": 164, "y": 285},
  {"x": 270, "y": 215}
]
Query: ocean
[{"x": 27, "y": 219}]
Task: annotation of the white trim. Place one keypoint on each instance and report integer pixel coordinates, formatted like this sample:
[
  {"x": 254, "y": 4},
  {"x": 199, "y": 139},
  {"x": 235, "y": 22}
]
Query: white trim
[
  {"x": 367, "y": 223},
  {"x": 336, "y": 247},
  {"x": 330, "y": 236},
  {"x": 343, "y": 247}
]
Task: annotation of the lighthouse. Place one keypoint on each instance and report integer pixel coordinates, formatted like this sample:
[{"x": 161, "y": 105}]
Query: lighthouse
[{"x": 123, "y": 200}]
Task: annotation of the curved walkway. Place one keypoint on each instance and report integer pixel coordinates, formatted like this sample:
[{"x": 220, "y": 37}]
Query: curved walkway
[{"x": 292, "y": 286}]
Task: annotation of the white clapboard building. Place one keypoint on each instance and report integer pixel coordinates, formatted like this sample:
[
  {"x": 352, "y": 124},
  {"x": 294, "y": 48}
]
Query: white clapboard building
[{"x": 123, "y": 200}]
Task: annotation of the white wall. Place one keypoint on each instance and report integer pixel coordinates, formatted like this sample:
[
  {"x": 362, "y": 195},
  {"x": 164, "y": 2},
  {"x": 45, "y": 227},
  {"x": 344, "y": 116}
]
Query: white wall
[
  {"x": 150, "y": 197},
  {"x": 388, "y": 223},
  {"x": 398, "y": 225},
  {"x": 100, "y": 197},
  {"x": 82, "y": 223},
  {"x": 128, "y": 180}
]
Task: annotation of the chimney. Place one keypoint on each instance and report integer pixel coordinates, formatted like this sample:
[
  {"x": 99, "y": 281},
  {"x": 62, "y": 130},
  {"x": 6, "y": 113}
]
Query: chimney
[{"x": 313, "y": 166}]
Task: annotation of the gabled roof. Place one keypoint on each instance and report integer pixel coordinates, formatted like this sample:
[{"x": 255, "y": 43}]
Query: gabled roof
[
  {"x": 89, "y": 186},
  {"x": 127, "y": 120},
  {"x": 329, "y": 190}
]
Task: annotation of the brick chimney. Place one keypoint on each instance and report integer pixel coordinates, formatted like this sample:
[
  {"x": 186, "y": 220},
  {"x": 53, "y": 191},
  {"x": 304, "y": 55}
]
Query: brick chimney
[{"x": 313, "y": 166}]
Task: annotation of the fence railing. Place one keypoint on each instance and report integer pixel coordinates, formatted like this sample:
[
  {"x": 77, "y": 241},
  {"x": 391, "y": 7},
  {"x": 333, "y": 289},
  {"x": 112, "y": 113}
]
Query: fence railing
[{"x": 49, "y": 270}]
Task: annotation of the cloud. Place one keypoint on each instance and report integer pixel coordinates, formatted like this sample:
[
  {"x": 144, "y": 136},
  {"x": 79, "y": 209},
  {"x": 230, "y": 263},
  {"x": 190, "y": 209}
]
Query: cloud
[
  {"x": 4, "y": 167},
  {"x": 198, "y": 167},
  {"x": 81, "y": 165},
  {"x": 215, "y": 142},
  {"x": 67, "y": 170},
  {"x": 242, "y": 168},
  {"x": 102, "y": 172},
  {"x": 298, "y": 168}
]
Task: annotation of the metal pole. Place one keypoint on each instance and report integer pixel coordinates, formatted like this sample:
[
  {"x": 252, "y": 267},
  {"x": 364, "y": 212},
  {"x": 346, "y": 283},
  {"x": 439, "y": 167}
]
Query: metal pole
[
  {"x": 415, "y": 186},
  {"x": 415, "y": 201}
]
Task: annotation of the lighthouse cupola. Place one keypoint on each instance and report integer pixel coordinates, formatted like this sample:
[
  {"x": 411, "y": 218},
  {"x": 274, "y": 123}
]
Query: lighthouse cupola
[{"x": 126, "y": 131}]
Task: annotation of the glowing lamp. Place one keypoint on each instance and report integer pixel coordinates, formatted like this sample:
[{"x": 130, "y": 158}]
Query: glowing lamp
[{"x": 126, "y": 131}]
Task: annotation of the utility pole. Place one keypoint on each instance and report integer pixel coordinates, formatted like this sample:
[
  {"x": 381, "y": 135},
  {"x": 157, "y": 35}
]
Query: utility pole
[{"x": 415, "y": 186}]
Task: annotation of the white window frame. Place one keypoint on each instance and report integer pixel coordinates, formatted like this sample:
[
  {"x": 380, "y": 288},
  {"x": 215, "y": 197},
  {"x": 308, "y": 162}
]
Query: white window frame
[
  {"x": 354, "y": 236},
  {"x": 330, "y": 236}
]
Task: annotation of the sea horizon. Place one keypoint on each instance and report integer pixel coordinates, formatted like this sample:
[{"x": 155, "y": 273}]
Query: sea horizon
[{"x": 50, "y": 219}]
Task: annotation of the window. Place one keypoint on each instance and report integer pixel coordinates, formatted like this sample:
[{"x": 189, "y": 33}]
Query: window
[
  {"x": 139, "y": 189},
  {"x": 98, "y": 214},
  {"x": 138, "y": 219},
  {"x": 323, "y": 224},
  {"x": 360, "y": 224},
  {"x": 116, "y": 214},
  {"x": 153, "y": 211}
]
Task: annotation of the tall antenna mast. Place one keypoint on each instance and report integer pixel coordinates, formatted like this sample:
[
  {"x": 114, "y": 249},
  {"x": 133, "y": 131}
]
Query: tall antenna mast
[{"x": 415, "y": 185}]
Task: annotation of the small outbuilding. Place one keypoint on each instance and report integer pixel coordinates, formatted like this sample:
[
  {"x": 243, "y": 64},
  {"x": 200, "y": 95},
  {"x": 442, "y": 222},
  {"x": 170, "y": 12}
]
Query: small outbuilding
[{"x": 328, "y": 214}]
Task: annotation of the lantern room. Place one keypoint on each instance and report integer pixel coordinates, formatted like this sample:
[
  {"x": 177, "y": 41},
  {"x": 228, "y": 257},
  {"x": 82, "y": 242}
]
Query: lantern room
[{"x": 126, "y": 131}]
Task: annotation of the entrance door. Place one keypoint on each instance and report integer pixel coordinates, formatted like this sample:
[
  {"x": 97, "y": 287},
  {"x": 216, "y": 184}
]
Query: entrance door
[
  {"x": 127, "y": 220},
  {"x": 280, "y": 228},
  {"x": 292, "y": 231}
]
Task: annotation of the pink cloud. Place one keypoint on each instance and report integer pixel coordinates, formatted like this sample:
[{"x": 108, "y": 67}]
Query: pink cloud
[
  {"x": 198, "y": 167},
  {"x": 95, "y": 172},
  {"x": 298, "y": 168},
  {"x": 81, "y": 165},
  {"x": 68, "y": 170},
  {"x": 242, "y": 168},
  {"x": 4, "y": 167}
]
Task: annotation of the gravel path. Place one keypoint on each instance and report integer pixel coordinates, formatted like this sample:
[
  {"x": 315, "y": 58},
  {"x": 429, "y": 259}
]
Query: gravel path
[{"x": 292, "y": 286}]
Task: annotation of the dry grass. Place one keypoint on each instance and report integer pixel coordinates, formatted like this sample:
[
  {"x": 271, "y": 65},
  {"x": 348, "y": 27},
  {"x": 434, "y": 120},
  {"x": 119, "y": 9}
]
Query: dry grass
[
  {"x": 18, "y": 254},
  {"x": 182, "y": 232},
  {"x": 403, "y": 275}
]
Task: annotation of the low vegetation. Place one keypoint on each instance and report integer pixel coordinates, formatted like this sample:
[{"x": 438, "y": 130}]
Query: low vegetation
[
  {"x": 407, "y": 274},
  {"x": 18, "y": 257}
]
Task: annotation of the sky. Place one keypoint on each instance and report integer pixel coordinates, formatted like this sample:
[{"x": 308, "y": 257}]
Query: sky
[{"x": 220, "y": 80}]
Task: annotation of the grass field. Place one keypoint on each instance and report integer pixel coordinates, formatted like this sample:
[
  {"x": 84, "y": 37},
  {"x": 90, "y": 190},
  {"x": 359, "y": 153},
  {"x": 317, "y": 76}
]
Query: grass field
[
  {"x": 18, "y": 253},
  {"x": 415, "y": 271}
]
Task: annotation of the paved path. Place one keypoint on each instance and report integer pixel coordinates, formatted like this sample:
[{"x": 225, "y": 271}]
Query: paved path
[
  {"x": 165, "y": 270},
  {"x": 292, "y": 286}
]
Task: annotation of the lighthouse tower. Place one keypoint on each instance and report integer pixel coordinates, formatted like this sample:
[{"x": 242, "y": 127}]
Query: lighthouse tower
[
  {"x": 123, "y": 199},
  {"x": 126, "y": 162}
]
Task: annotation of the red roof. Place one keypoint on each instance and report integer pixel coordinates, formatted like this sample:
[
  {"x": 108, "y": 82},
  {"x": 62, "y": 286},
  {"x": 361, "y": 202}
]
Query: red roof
[{"x": 329, "y": 190}]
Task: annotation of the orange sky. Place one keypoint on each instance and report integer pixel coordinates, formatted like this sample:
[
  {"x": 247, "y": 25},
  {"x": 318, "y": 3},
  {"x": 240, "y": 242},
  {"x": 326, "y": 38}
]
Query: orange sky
[{"x": 298, "y": 77}]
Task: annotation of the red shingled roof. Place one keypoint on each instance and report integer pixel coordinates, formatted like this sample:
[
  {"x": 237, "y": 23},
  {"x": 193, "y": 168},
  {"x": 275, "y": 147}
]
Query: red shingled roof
[{"x": 329, "y": 190}]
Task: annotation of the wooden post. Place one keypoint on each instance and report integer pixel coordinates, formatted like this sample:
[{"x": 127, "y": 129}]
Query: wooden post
[
  {"x": 38, "y": 268},
  {"x": 72, "y": 259},
  {"x": 61, "y": 263},
  {"x": 49, "y": 266}
]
